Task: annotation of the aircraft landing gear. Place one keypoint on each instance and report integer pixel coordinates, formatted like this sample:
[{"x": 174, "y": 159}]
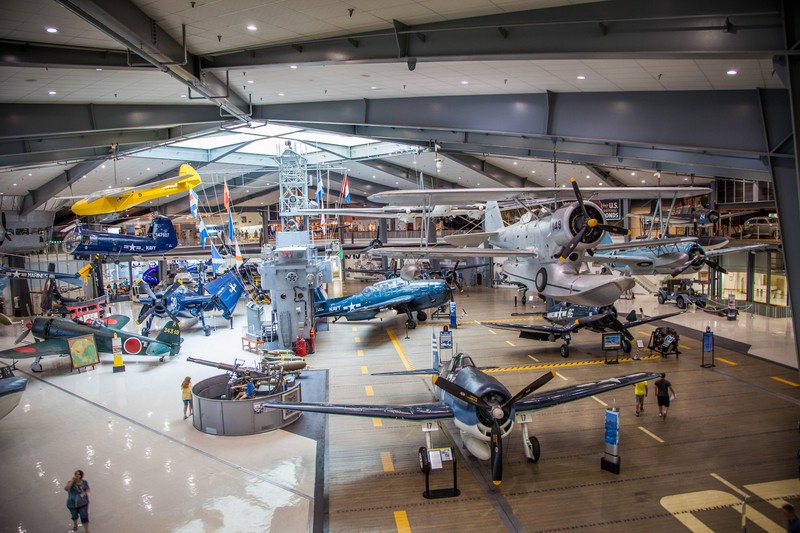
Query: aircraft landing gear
[
  {"x": 36, "y": 366},
  {"x": 422, "y": 316},
  {"x": 531, "y": 445},
  {"x": 565, "y": 350},
  {"x": 410, "y": 324},
  {"x": 424, "y": 460},
  {"x": 627, "y": 347},
  {"x": 145, "y": 332},
  {"x": 207, "y": 330}
]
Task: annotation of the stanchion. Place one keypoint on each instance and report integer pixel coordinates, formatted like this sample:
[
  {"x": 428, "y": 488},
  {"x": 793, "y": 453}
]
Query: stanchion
[
  {"x": 116, "y": 350},
  {"x": 708, "y": 347}
]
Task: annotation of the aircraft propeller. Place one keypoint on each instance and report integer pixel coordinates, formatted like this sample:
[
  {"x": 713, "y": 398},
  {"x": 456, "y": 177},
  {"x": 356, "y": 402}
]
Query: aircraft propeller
[
  {"x": 28, "y": 327},
  {"x": 451, "y": 277},
  {"x": 4, "y": 234},
  {"x": 158, "y": 302},
  {"x": 587, "y": 223},
  {"x": 697, "y": 259},
  {"x": 492, "y": 408}
]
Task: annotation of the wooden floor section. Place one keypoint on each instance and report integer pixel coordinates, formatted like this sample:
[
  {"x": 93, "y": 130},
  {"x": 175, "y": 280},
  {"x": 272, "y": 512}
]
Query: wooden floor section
[{"x": 731, "y": 436}]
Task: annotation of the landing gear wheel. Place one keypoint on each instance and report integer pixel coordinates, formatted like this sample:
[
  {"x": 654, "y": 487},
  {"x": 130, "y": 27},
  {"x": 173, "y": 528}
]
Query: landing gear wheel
[
  {"x": 422, "y": 316},
  {"x": 541, "y": 279},
  {"x": 161, "y": 359},
  {"x": 565, "y": 350},
  {"x": 626, "y": 346},
  {"x": 145, "y": 332},
  {"x": 207, "y": 330},
  {"x": 410, "y": 324},
  {"x": 424, "y": 460},
  {"x": 661, "y": 298},
  {"x": 36, "y": 367},
  {"x": 535, "y": 449},
  {"x": 680, "y": 301}
]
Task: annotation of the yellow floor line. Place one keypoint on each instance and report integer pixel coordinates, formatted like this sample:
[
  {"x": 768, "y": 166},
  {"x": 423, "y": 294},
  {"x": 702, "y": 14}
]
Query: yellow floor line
[
  {"x": 683, "y": 347},
  {"x": 653, "y": 435},
  {"x": 400, "y": 351},
  {"x": 386, "y": 460},
  {"x": 355, "y": 328},
  {"x": 356, "y": 339},
  {"x": 401, "y": 520},
  {"x": 598, "y": 400},
  {"x": 726, "y": 361},
  {"x": 377, "y": 422},
  {"x": 786, "y": 381},
  {"x": 360, "y": 353},
  {"x": 364, "y": 370},
  {"x": 511, "y": 343},
  {"x": 369, "y": 391},
  {"x": 522, "y": 368},
  {"x": 730, "y": 485}
]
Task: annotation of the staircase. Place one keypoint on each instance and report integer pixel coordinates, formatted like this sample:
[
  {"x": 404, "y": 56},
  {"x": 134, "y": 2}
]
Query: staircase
[{"x": 646, "y": 283}]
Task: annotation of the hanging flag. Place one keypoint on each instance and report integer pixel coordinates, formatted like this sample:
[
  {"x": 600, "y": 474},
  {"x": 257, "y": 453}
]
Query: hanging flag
[
  {"x": 346, "y": 189},
  {"x": 320, "y": 190},
  {"x": 203, "y": 233},
  {"x": 226, "y": 195},
  {"x": 239, "y": 259},
  {"x": 230, "y": 227},
  {"x": 193, "y": 203},
  {"x": 216, "y": 260},
  {"x": 322, "y": 223}
]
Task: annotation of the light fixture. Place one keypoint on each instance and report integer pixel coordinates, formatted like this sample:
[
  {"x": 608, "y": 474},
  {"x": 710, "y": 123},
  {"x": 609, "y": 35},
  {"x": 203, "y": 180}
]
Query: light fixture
[
  {"x": 588, "y": 176},
  {"x": 30, "y": 174},
  {"x": 549, "y": 179},
  {"x": 252, "y": 27},
  {"x": 464, "y": 82},
  {"x": 281, "y": 94},
  {"x": 250, "y": 81},
  {"x": 459, "y": 177},
  {"x": 293, "y": 66},
  {"x": 439, "y": 164},
  {"x": 732, "y": 72},
  {"x": 14, "y": 184},
  {"x": 99, "y": 69},
  {"x": 183, "y": 96},
  {"x": 478, "y": 184},
  {"x": 533, "y": 172},
  {"x": 581, "y": 77},
  {"x": 515, "y": 162},
  {"x": 51, "y": 92},
  {"x": 51, "y": 29},
  {"x": 686, "y": 179},
  {"x": 633, "y": 173},
  {"x": 642, "y": 181},
  {"x": 373, "y": 176},
  {"x": 148, "y": 168},
  {"x": 102, "y": 166},
  {"x": 128, "y": 178},
  {"x": 109, "y": 186},
  {"x": 373, "y": 87}
]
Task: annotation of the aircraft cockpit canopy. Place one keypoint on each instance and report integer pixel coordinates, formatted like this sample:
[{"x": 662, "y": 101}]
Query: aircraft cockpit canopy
[{"x": 460, "y": 361}]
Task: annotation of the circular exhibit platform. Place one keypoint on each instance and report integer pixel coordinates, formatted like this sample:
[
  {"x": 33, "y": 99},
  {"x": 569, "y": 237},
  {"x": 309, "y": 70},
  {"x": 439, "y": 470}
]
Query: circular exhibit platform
[{"x": 243, "y": 417}]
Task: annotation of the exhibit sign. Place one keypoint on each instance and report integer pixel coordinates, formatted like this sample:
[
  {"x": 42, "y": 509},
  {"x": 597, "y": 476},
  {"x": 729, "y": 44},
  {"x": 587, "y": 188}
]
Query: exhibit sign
[
  {"x": 612, "y": 209},
  {"x": 83, "y": 352}
]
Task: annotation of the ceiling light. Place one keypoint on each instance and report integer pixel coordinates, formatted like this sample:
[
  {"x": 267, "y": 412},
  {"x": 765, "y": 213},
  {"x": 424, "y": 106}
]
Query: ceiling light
[
  {"x": 600, "y": 184},
  {"x": 109, "y": 186},
  {"x": 252, "y": 27},
  {"x": 459, "y": 177},
  {"x": 281, "y": 94},
  {"x": 581, "y": 77},
  {"x": 102, "y": 166},
  {"x": 397, "y": 183},
  {"x": 127, "y": 179},
  {"x": 30, "y": 174},
  {"x": 14, "y": 184},
  {"x": 293, "y": 66},
  {"x": 99, "y": 69},
  {"x": 685, "y": 179},
  {"x": 51, "y": 29},
  {"x": 642, "y": 181},
  {"x": 373, "y": 87},
  {"x": 148, "y": 168},
  {"x": 183, "y": 96},
  {"x": 515, "y": 162},
  {"x": 633, "y": 173},
  {"x": 250, "y": 81},
  {"x": 549, "y": 179},
  {"x": 732, "y": 72},
  {"x": 464, "y": 82},
  {"x": 247, "y": 190},
  {"x": 588, "y": 176},
  {"x": 533, "y": 172},
  {"x": 478, "y": 184},
  {"x": 439, "y": 164},
  {"x": 373, "y": 177},
  {"x": 51, "y": 92}
]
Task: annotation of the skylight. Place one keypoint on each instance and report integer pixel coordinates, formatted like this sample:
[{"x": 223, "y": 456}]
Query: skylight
[
  {"x": 215, "y": 141},
  {"x": 330, "y": 138},
  {"x": 267, "y": 130}
]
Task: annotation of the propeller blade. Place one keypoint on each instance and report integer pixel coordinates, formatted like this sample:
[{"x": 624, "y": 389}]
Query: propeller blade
[
  {"x": 146, "y": 311},
  {"x": 614, "y": 229},
  {"x": 171, "y": 315},
  {"x": 24, "y": 334},
  {"x": 617, "y": 325},
  {"x": 457, "y": 391},
  {"x": 579, "y": 197},
  {"x": 566, "y": 250},
  {"x": 149, "y": 291},
  {"x": 497, "y": 453},
  {"x": 681, "y": 269},
  {"x": 540, "y": 381},
  {"x": 172, "y": 289},
  {"x": 714, "y": 266}
]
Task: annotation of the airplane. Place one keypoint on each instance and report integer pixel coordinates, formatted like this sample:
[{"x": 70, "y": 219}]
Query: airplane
[
  {"x": 178, "y": 301},
  {"x": 544, "y": 250},
  {"x": 52, "y": 334},
  {"x": 566, "y": 318},
  {"x": 161, "y": 237},
  {"x": 452, "y": 217},
  {"x": 671, "y": 256},
  {"x": 393, "y": 295},
  {"x": 115, "y": 200},
  {"x": 9, "y": 273},
  {"x": 482, "y": 408},
  {"x": 687, "y": 216},
  {"x": 414, "y": 270},
  {"x": 11, "y": 389}
]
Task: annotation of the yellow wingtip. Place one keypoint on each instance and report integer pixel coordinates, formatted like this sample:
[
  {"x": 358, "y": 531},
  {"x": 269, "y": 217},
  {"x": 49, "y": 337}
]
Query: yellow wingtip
[
  {"x": 572, "y": 180},
  {"x": 496, "y": 483}
]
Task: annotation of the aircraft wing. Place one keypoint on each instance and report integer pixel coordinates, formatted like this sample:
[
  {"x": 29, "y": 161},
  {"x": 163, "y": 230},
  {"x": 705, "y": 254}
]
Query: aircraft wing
[
  {"x": 422, "y": 411},
  {"x": 355, "y": 212},
  {"x": 619, "y": 259},
  {"x": 385, "y": 303},
  {"x": 117, "y": 321},
  {"x": 734, "y": 249},
  {"x": 539, "y": 328},
  {"x": 674, "y": 220},
  {"x": 450, "y": 253},
  {"x": 645, "y": 320},
  {"x": 36, "y": 349},
  {"x": 543, "y": 400},
  {"x": 469, "y": 239},
  {"x": 468, "y": 196},
  {"x": 642, "y": 243}
]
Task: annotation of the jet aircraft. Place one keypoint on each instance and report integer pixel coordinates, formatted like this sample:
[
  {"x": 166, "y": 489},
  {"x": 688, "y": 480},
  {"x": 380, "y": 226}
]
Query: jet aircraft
[
  {"x": 482, "y": 408},
  {"x": 395, "y": 295},
  {"x": 160, "y": 238},
  {"x": 107, "y": 201},
  {"x": 178, "y": 301},
  {"x": 545, "y": 251},
  {"x": 53, "y": 332},
  {"x": 566, "y": 318},
  {"x": 9, "y": 273}
]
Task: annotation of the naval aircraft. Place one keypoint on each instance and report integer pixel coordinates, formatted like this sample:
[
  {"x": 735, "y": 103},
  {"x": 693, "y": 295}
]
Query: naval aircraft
[{"x": 160, "y": 238}]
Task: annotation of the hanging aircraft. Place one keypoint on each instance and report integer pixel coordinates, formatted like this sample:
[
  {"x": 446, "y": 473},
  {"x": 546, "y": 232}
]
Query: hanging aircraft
[
  {"x": 178, "y": 301},
  {"x": 119, "y": 199},
  {"x": 391, "y": 295},
  {"x": 160, "y": 238},
  {"x": 687, "y": 216},
  {"x": 9, "y": 273},
  {"x": 482, "y": 408},
  {"x": 671, "y": 256},
  {"x": 453, "y": 217},
  {"x": 53, "y": 332},
  {"x": 566, "y": 319},
  {"x": 545, "y": 250}
]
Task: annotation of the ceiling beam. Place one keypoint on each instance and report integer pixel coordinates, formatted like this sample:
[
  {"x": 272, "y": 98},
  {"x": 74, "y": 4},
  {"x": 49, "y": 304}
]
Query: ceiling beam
[
  {"x": 39, "y": 196},
  {"x": 496, "y": 174},
  {"x": 23, "y": 54},
  {"x": 615, "y": 29}
]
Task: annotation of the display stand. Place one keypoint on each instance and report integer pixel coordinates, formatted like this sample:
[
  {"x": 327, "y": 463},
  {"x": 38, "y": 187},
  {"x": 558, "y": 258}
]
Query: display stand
[
  {"x": 433, "y": 459},
  {"x": 708, "y": 348},
  {"x": 612, "y": 342},
  {"x": 610, "y": 462}
]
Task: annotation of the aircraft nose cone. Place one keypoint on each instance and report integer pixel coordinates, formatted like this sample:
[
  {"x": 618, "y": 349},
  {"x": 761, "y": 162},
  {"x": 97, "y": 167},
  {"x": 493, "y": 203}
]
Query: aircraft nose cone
[{"x": 497, "y": 413}]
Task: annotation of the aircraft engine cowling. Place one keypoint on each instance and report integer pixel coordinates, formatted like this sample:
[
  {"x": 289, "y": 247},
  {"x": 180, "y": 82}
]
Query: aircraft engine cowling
[
  {"x": 696, "y": 256},
  {"x": 567, "y": 221}
]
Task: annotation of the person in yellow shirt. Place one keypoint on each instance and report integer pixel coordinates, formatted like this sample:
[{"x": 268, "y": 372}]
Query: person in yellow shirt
[
  {"x": 186, "y": 396},
  {"x": 640, "y": 390}
]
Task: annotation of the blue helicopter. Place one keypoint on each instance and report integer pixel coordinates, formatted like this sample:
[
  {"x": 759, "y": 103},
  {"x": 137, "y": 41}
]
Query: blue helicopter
[
  {"x": 160, "y": 238},
  {"x": 178, "y": 301},
  {"x": 394, "y": 295}
]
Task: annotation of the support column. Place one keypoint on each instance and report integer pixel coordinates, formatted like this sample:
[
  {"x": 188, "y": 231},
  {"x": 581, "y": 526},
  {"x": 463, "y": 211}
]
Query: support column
[{"x": 431, "y": 231}]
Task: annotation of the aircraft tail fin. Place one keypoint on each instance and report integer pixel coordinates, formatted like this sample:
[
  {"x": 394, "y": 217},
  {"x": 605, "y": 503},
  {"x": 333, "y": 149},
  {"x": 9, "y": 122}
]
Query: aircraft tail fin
[
  {"x": 320, "y": 302},
  {"x": 164, "y": 232},
  {"x": 493, "y": 220},
  {"x": 226, "y": 291},
  {"x": 551, "y": 304},
  {"x": 171, "y": 335}
]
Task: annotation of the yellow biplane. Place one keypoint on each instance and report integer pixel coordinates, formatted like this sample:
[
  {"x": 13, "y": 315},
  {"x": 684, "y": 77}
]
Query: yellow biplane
[{"x": 116, "y": 200}]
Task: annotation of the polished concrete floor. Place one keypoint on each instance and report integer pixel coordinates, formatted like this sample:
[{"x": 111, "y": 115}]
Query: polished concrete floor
[{"x": 731, "y": 435}]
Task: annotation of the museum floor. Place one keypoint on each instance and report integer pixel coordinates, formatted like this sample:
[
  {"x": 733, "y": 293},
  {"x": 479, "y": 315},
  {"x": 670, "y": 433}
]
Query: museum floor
[{"x": 731, "y": 435}]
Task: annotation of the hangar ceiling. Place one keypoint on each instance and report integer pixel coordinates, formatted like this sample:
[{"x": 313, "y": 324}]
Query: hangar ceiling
[{"x": 618, "y": 92}]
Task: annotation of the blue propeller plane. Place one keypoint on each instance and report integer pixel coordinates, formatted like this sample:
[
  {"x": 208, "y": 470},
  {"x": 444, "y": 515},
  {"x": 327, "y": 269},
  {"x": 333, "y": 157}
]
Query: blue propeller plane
[
  {"x": 566, "y": 318},
  {"x": 482, "y": 408},
  {"x": 395, "y": 295},
  {"x": 179, "y": 301},
  {"x": 160, "y": 238}
]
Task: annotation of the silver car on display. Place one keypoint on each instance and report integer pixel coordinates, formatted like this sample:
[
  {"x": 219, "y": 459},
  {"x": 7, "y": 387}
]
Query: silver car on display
[{"x": 761, "y": 227}]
